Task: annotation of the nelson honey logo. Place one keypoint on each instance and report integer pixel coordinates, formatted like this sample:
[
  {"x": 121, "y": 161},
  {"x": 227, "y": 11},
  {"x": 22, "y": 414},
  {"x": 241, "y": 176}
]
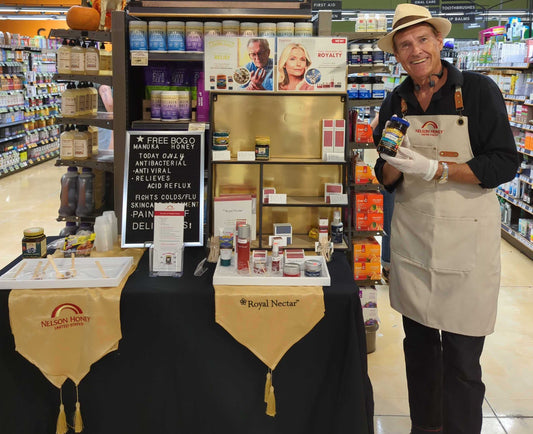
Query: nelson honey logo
[
  {"x": 66, "y": 315},
  {"x": 268, "y": 303},
  {"x": 430, "y": 128}
]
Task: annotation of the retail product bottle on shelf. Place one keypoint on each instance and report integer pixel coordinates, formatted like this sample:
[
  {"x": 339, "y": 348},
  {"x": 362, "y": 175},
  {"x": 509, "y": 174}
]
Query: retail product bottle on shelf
[
  {"x": 63, "y": 58},
  {"x": 106, "y": 64},
  {"x": 82, "y": 145},
  {"x": 93, "y": 132},
  {"x": 92, "y": 59},
  {"x": 69, "y": 101},
  {"x": 243, "y": 249},
  {"x": 77, "y": 59},
  {"x": 85, "y": 206},
  {"x": 66, "y": 144},
  {"x": 94, "y": 99},
  {"x": 69, "y": 229},
  {"x": 336, "y": 228},
  {"x": 275, "y": 265},
  {"x": 69, "y": 192}
]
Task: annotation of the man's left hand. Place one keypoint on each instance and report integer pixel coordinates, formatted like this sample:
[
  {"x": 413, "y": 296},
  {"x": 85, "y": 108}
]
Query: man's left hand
[{"x": 413, "y": 163}]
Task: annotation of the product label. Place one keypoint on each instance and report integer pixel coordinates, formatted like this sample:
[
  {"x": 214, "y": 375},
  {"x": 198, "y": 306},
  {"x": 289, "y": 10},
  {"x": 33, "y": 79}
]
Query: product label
[
  {"x": 194, "y": 41},
  {"x": 92, "y": 63},
  {"x": 63, "y": 60},
  {"x": 169, "y": 109},
  {"x": 138, "y": 40},
  {"x": 176, "y": 40},
  {"x": 158, "y": 40}
]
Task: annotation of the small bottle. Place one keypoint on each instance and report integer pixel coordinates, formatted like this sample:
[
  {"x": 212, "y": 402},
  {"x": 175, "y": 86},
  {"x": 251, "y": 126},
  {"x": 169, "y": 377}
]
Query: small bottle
[
  {"x": 106, "y": 64},
  {"x": 34, "y": 243},
  {"x": 63, "y": 58},
  {"x": 69, "y": 192},
  {"x": 392, "y": 136},
  {"x": 85, "y": 206},
  {"x": 226, "y": 248},
  {"x": 275, "y": 266},
  {"x": 92, "y": 59},
  {"x": 93, "y": 98},
  {"x": 336, "y": 228},
  {"x": 243, "y": 249}
]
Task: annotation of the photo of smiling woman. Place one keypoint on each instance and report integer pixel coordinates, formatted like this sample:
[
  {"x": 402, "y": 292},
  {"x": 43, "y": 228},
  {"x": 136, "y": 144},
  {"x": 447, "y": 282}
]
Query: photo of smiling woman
[{"x": 293, "y": 63}]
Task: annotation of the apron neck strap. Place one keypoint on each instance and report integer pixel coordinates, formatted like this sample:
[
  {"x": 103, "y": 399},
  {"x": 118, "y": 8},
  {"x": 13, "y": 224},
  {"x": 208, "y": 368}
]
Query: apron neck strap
[{"x": 457, "y": 97}]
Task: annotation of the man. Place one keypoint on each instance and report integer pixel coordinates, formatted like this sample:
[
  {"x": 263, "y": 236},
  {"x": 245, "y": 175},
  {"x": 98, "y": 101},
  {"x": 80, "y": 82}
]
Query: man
[
  {"x": 261, "y": 67},
  {"x": 445, "y": 236}
]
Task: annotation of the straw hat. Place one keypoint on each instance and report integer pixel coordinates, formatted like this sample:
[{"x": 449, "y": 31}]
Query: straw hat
[{"x": 407, "y": 15}]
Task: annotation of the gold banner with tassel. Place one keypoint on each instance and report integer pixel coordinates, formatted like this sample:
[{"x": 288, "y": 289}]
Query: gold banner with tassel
[
  {"x": 61, "y": 427},
  {"x": 78, "y": 421}
]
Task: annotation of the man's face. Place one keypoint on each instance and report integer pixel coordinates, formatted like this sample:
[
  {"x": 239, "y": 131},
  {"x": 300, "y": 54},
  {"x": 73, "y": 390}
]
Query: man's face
[
  {"x": 258, "y": 54},
  {"x": 418, "y": 50}
]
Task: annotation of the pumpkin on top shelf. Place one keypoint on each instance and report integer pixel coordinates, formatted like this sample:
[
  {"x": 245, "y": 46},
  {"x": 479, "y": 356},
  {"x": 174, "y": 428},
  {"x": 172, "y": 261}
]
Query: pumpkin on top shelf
[{"x": 83, "y": 18}]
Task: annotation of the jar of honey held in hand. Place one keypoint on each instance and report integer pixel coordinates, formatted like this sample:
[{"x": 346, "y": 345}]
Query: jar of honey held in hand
[{"x": 392, "y": 136}]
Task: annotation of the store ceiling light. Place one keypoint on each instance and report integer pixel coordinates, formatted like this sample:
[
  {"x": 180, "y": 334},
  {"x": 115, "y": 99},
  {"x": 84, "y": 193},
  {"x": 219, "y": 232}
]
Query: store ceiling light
[
  {"x": 33, "y": 17},
  {"x": 34, "y": 9}
]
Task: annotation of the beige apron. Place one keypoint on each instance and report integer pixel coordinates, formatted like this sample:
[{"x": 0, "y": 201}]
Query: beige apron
[{"x": 445, "y": 238}]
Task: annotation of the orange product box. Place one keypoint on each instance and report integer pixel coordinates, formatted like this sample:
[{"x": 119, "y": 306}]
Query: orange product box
[
  {"x": 375, "y": 221},
  {"x": 361, "y": 202},
  {"x": 363, "y": 133},
  {"x": 361, "y": 221},
  {"x": 366, "y": 250},
  {"x": 364, "y": 174},
  {"x": 367, "y": 270},
  {"x": 375, "y": 202}
]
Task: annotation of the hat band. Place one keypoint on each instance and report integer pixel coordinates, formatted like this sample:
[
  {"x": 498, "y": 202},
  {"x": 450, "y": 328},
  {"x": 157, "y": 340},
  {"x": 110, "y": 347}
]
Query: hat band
[{"x": 407, "y": 19}]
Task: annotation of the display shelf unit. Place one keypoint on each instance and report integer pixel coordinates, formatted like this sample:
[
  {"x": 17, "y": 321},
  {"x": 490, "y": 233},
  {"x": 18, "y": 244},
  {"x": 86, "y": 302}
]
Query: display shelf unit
[
  {"x": 101, "y": 79},
  {"x": 100, "y": 119},
  {"x": 295, "y": 166},
  {"x": 519, "y": 208},
  {"x": 22, "y": 143}
]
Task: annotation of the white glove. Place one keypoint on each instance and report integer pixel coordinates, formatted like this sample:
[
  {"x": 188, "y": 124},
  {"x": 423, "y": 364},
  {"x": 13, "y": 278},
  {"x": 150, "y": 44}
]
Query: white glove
[{"x": 413, "y": 163}]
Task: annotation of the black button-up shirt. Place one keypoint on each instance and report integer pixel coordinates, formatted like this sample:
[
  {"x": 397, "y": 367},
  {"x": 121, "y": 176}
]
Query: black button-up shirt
[{"x": 495, "y": 156}]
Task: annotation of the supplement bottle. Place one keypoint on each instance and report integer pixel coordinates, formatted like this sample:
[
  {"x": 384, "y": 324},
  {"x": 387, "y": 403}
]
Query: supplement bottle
[
  {"x": 85, "y": 206},
  {"x": 336, "y": 228},
  {"x": 243, "y": 249},
  {"x": 69, "y": 193},
  {"x": 393, "y": 135},
  {"x": 66, "y": 144}
]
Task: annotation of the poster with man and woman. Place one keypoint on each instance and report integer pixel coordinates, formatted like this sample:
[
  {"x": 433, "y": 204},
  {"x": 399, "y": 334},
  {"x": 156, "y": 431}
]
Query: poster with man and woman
[{"x": 284, "y": 64}]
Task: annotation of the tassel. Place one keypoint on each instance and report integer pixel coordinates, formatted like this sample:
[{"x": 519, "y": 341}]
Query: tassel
[
  {"x": 268, "y": 384},
  {"x": 78, "y": 421},
  {"x": 271, "y": 403},
  {"x": 61, "y": 421}
]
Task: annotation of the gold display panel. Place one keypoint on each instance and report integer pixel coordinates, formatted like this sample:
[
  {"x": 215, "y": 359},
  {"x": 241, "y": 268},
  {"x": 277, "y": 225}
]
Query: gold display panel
[{"x": 293, "y": 122}]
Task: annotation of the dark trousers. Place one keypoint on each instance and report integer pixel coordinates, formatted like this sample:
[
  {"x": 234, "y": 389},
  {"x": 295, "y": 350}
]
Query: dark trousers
[{"x": 444, "y": 380}]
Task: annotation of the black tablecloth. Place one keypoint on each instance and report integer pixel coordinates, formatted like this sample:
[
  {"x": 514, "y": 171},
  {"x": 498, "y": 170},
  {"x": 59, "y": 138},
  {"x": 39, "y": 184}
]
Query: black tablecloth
[{"x": 177, "y": 371}]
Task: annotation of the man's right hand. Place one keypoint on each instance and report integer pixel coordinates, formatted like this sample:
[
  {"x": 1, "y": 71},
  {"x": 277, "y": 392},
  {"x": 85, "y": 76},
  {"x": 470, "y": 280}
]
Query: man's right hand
[{"x": 256, "y": 79}]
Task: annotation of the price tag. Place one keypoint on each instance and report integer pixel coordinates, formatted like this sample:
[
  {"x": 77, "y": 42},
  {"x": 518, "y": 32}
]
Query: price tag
[
  {"x": 139, "y": 58},
  {"x": 196, "y": 126},
  {"x": 338, "y": 198},
  {"x": 335, "y": 156},
  {"x": 246, "y": 156},
  {"x": 221, "y": 155},
  {"x": 277, "y": 198}
]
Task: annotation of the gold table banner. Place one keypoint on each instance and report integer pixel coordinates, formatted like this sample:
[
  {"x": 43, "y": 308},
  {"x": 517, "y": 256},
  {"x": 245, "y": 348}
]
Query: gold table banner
[
  {"x": 64, "y": 331},
  {"x": 268, "y": 320}
]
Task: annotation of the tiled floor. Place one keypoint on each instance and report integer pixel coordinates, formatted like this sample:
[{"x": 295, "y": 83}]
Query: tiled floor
[{"x": 31, "y": 198}]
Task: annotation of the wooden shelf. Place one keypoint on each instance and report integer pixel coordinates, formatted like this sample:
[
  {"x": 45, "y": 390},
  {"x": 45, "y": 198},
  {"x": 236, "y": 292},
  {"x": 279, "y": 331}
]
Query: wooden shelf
[{"x": 101, "y": 119}]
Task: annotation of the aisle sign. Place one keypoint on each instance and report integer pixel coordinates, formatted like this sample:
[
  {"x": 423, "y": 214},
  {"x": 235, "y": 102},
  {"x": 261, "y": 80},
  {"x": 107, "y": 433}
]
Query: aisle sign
[
  {"x": 458, "y": 7},
  {"x": 425, "y": 2},
  {"x": 164, "y": 167}
]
